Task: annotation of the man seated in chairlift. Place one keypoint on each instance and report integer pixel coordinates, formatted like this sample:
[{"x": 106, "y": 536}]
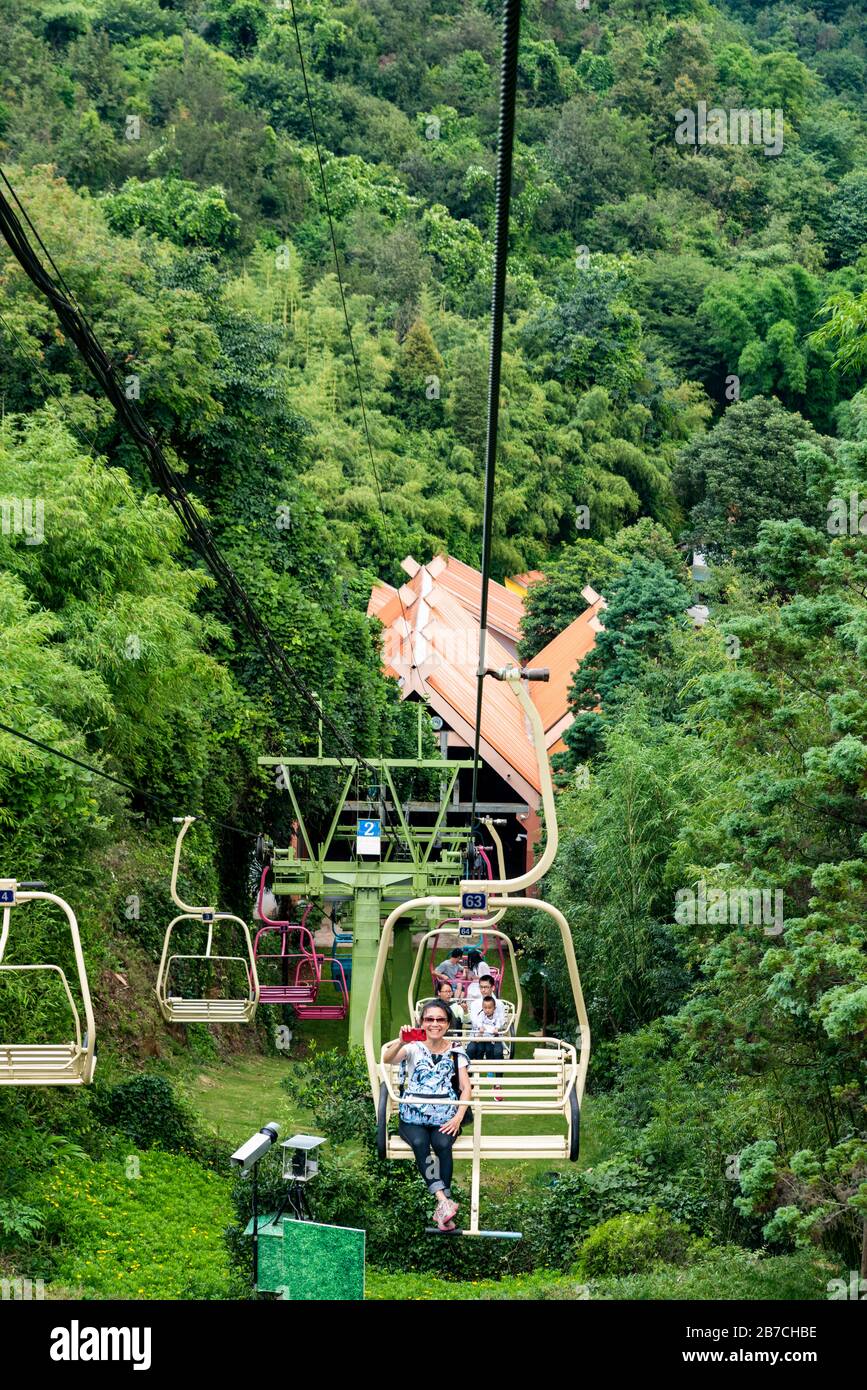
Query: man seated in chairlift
[
  {"x": 452, "y": 968},
  {"x": 485, "y": 990}
]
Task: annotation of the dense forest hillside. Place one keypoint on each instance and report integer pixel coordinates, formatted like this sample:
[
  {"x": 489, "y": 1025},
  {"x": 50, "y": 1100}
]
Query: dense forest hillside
[{"x": 685, "y": 370}]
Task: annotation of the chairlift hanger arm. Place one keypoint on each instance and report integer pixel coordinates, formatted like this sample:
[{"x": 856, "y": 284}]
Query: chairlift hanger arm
[
  {"x": 185, "y": 823},
  {"x": 35, "y": 1064},
  {"x": 515, "y": 679}
]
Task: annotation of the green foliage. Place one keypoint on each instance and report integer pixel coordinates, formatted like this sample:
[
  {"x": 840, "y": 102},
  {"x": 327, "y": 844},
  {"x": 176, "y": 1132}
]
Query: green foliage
[
  {"x": 726, "y": 1273},
  {"x": 760, "y": 463},
  {"x": 173, "y": 209},
  {"x": 645, "y": 602},
  {"x": 591, "y": 336},
  {"x": 150, "y": 1112},
  {"x": 335, "y": 1088},
  {"x": 154, "y": 1235},
  {"x": 19, "y": 1222},
  {"x": 631, "y": 1244},
  {"x": 846, "y": 232},
  {"x": 642, "y": 277}
]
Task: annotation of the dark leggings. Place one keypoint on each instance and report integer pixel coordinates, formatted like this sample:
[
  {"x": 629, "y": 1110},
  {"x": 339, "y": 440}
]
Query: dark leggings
[
  {"x": 435, "y": 1167},
  {"x": 485, "y": 1051}
]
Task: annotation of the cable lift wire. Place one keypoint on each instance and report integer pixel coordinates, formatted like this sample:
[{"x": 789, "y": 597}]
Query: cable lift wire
[
  {"x": 77, "y": 327},
  {"x": 118, "y": 781},
  {"x": 505, "y": 150}
]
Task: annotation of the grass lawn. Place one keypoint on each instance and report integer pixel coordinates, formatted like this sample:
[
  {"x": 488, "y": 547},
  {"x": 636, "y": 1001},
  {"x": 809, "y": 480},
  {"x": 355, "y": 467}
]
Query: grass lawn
[
  {"x": 235, "y": 1099},
  {"x": 727, "y": 1273},
  {"x": 144, "y": 1225}
]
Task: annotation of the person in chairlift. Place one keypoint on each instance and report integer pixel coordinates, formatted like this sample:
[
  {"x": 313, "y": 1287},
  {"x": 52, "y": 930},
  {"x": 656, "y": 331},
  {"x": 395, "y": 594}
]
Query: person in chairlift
[
  {"x": 434, "y": 1070},
  {"x": 476, "y": 1002},
  {"x": 452, "y": 968}
]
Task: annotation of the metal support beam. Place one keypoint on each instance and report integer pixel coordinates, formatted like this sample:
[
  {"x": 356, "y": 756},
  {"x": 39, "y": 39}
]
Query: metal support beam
[{"x": 365, "y": 942}]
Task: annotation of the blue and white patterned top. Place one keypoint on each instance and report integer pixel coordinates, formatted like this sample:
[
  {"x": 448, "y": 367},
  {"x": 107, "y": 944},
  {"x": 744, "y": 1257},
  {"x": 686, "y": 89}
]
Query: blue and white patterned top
[{"x": 425, "y": 1073}]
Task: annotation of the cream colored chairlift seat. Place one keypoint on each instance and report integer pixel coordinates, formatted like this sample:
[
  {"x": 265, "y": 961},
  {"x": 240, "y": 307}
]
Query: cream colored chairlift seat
[
  {"x": 551, "y": 1080},
  {"x": 512, "y": 1009},
  {"x": 48, "y": 1064},
  {"x": 544, "y": 1083},
  {"x": 174, "y": 1009}
]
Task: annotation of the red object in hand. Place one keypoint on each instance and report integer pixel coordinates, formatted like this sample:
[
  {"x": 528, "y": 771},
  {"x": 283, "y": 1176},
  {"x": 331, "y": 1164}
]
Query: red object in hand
[{"x": 408, "y": 1034}]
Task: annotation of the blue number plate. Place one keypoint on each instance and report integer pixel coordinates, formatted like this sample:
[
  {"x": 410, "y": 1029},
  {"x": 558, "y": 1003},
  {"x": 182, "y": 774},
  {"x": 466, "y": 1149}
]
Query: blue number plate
[
  {"x": 474, "y": 902},
  {"x": 7, "y": 895}
]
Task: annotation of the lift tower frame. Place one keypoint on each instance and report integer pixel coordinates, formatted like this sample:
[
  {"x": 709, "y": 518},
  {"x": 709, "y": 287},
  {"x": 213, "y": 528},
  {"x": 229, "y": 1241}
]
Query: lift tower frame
[{"x": 376, "y": 881}]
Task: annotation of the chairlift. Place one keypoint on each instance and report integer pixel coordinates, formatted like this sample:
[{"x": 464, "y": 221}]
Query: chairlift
[
  {"x": 48, "y": 1064},
  {"x": 175, "y": 1009},
  {"x": 467, "y": 940},
  {"x": 453, "y": 927},
  {"x": 310, "y": 995},
  {"x": 549, "y": 1075},
  {"x": 342, "y": 942},
  {"x": 293, "y": 989},
  {"x": 462, "y": 928},
  {"x": 332, "y": 999}
]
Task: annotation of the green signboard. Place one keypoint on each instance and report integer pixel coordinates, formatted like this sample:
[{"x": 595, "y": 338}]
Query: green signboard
[{"x": 305, "y": 1260}]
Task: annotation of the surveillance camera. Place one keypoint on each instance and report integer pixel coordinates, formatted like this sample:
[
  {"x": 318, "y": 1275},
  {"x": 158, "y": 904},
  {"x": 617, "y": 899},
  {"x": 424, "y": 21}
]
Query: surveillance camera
[{"x": 256, "y": 1147}]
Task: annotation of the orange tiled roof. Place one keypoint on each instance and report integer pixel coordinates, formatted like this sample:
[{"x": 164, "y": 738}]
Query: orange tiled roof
[
  {"x": 431, "y": 643},
  {"x": 520, "y": 583},
  {"x": 505, "y": 610},
  {"x": 562, "y": 656}
]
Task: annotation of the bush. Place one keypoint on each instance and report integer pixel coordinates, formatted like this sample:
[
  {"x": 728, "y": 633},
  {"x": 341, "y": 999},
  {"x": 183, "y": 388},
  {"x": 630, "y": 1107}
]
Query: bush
[
  {"x": 151, "y": 1113},
  {"x": 727, "y": 1272},
  {"x": 335, "y": 1088},
  {"x": 630, "y": 1243},
  {"x": 724, "y": 1273}
]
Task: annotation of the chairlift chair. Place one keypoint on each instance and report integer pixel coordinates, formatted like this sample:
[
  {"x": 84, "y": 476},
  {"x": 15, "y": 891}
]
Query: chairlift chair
[
  {"x": 294, "y": 990},
  {"x": 453, "y": 927},
  {"x": 331, "y": 1005},
  {"x": 198, "y": 1010},
  {"x": 305, "y": 990},
  {"x": 467, "y": 924},
  {"x": 341, "y": 951},
  {"x": 541, "y": 1076},
  {"x": 48, "y": 1064},
  {"x": 548, "y": 1079}
]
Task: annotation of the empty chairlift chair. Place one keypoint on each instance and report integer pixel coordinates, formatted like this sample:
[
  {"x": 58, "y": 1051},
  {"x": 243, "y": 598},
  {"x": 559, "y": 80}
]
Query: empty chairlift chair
[
  {"x": 341, "y": 952},
  {"x": 47, "y": 1064},
  {"x": 234, "y": 1009},
  {"x": 299, "y": 966},
  {"x": 311, "y": 993}
]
